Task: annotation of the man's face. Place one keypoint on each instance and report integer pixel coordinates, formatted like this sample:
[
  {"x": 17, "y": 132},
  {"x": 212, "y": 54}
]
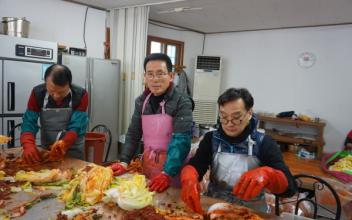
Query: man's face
[
  {"x": 234, "y": 117},
  {"x": 157, "y": 78},
  {"x": 58, "y": 93}
]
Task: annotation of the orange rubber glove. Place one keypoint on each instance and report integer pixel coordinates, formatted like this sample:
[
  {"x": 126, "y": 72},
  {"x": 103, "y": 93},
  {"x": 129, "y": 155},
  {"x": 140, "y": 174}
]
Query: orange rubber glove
[
  {"x": 119, "y": 168},
  {"x": 59, "y": 148},
  {"x": 190, "y": 191},
  {"x": 160, "y": 182},
  {"x": 254, "y": 181},
  {"x": 30, "y": 152}
]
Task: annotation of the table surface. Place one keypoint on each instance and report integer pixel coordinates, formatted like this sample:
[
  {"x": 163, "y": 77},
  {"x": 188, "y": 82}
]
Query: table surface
[{"x": 48, "y": 209}]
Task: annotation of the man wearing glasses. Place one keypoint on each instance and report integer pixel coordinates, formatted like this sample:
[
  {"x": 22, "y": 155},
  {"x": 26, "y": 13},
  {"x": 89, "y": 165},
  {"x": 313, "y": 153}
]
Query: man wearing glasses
[
  {"x": 163, "y": 117},
  {"x": 242, "y": 161}
]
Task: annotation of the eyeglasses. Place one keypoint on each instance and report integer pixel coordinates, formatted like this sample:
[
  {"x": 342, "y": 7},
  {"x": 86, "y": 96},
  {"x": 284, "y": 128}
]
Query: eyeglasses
[
  {"x": 158, "y": 75},
  {"x": 234, "y": 121}
]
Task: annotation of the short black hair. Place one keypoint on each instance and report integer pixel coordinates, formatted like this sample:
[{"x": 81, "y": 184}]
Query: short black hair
[
  {"x": 161, "y": 57},
  {"x": 232, "y": 94},
  {"x": 61, "y": 74}
]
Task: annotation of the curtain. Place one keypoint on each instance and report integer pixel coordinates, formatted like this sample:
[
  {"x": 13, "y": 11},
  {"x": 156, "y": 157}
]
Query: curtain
[{"x": 128, "y": 36}]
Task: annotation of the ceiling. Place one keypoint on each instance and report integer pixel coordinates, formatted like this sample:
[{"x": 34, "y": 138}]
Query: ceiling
[{"x": 241, "y": 15}]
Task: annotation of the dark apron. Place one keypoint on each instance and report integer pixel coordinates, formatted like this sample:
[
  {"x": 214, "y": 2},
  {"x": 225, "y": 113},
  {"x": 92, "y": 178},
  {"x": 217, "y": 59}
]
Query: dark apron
[{"x": 54, "y": 122}]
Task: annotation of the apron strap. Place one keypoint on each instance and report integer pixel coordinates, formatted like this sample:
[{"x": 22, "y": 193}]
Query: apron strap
[
  {"x": 46, "y": 99},
  {"x": 219, "y": 148},
  {"x": 145, "y": 102},
  {"x": 251, "y": 143},
  {"x": 162, "y": 104}
]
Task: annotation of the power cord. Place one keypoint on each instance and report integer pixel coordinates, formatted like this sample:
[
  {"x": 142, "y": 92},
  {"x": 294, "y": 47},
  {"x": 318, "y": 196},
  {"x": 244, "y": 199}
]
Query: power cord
[{"x": 84, "y": 29}]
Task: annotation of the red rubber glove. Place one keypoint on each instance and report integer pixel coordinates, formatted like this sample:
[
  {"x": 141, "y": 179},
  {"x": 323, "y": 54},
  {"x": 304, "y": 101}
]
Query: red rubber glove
[
  {"x": 119, "y": 168},
  {"x": 160, "y": 182},
  {"x": 252, "y": 182},
  {"x": 59, "y": 148},
  {"x": 70, "y": 138},
  {"x": 190, "y": 191},
  {"x": 30, "y": 152}
]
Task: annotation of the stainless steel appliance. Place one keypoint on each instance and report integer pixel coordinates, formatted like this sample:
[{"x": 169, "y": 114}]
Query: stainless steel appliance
[
  {"x": 18, "y": 27},
  {"x": 101, "y": 79},
  {"x": 22, "y": 65}
]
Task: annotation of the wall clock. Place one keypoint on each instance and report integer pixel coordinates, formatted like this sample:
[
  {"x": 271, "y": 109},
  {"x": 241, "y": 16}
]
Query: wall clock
[{"x": 306, "y": 59}]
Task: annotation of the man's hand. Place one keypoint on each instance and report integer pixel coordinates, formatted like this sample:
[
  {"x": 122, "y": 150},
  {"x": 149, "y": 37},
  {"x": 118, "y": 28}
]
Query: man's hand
[
  {"x": 190, "y": 191},
  {"x": 30, "y": 152},
  {"x": 59, "y": 148},
  {"x": 119, "y": 168},
  {"x": 160, "y": 182},
  {"x": 254, "y": 181}
]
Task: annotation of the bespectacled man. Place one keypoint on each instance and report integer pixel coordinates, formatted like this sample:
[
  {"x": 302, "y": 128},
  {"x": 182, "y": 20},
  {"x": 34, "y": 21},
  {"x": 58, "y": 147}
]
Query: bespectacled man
[{"x": 243, "y": 161}]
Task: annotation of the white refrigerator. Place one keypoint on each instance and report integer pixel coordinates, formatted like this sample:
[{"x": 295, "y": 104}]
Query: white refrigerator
[
  {"x": 23, "y": 62},
  {"x": 100, "y": 78}
]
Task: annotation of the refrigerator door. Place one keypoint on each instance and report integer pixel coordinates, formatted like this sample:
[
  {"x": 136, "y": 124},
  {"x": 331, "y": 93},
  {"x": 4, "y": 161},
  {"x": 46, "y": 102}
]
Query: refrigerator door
[
  {"x": 19, "y": 79},
  {"x": 9, "y": 124},
  {"x": 1, "y": 91},
  {"x": 12, "y": 128},
  {"x": 1, "y": 127},
  {"x": 104, "y": 98},
  {"x": 79, "y": 69}
]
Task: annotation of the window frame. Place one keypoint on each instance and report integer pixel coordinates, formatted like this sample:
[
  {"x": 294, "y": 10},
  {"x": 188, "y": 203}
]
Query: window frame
[{"x": 164, "y": 42}]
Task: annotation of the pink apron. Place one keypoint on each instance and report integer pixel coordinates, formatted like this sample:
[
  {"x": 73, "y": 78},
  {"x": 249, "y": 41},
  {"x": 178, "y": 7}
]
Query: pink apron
[{"x": 157, "y": 132}]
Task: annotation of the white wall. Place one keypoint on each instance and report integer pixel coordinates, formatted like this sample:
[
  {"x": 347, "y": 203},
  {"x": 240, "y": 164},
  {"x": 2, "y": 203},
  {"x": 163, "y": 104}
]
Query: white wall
[
  {"x": 266, "y": 62},
  {"x": 60, "y": 21},
  {"x": 193, "y": 44}
]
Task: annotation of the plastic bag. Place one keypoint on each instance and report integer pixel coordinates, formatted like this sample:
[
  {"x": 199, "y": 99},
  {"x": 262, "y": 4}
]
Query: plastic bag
[{"x": 288, "y": 205}]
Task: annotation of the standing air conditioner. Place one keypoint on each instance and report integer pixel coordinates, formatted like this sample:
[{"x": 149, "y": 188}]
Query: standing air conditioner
[{"x": 206, "y": 89}]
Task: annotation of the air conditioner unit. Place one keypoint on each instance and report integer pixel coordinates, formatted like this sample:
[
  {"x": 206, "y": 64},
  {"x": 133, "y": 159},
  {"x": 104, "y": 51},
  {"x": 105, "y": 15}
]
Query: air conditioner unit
[{"x": 206, "y": 89}]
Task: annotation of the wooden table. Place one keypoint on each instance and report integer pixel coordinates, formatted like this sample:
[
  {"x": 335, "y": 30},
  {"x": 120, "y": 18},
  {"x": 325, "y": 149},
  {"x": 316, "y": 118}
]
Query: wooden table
[
  {"x": 48, "y": 209},
  {"x": 304, "y": 166}
]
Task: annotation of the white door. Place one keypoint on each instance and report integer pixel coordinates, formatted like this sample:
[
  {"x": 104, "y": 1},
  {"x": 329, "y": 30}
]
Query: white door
[
  {"x": 1, "y": 92},
  {"x": 1, "y": 127},
  {"x": 104, "y": 97},
  {"x": 79, "y": 69},
  {"x": 19, "y": 79}
]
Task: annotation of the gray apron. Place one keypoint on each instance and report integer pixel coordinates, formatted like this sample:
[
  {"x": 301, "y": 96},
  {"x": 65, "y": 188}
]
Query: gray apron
[
  {"x": 227, "y": 168},
  {"x": 54, "y": 122}
]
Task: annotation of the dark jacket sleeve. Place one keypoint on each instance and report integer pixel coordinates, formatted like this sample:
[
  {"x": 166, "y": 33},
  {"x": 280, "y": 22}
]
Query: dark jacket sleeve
[
  {"x": 134, "y": 133},
  {"x": 201, "y": 161},
  {"x": 270, "y": 155},
  {"x": 182, "y": 120}
]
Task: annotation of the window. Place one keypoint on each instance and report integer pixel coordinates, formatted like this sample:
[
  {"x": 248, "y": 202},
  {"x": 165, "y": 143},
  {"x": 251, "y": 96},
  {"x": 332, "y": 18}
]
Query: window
[{"x": 173, "y": 48}]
